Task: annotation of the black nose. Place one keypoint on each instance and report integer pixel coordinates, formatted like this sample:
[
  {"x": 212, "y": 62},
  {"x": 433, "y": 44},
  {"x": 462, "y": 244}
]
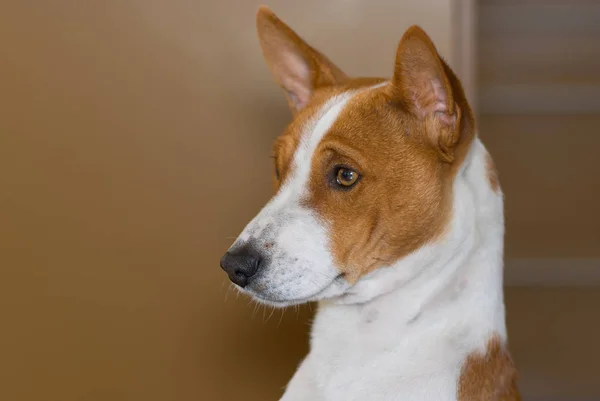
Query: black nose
[{"x": 241, "y": 264}]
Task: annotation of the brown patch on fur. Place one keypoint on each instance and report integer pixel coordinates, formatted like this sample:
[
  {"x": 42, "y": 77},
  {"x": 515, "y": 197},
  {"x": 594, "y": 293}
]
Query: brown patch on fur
[
  {"x": 403, "y": 197},
  {"x": 489, "y": 377},
  {"x": 406, "y": 139},
  {"x": 407, "y": 160},
  {"x": 492, "y": 173}
]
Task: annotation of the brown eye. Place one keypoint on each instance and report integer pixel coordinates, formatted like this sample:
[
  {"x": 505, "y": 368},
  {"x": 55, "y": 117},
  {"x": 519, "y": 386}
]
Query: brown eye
[{"x": 346, "y": 177}]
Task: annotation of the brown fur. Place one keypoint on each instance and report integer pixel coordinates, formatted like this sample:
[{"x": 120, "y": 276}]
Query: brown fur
[
  {"x": 403, "y": 198},
  {"x": 490, "y": 376}
]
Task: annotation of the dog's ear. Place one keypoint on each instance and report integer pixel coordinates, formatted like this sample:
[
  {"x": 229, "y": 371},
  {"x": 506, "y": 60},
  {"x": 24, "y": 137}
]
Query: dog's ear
[
  {"x": 421, "y": 85},
  {"x": 298, "y": 68}
]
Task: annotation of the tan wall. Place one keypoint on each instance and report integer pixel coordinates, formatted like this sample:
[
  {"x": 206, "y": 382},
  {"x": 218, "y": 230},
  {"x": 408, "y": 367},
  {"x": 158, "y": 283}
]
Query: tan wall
[{"x": 134, "y": 143}]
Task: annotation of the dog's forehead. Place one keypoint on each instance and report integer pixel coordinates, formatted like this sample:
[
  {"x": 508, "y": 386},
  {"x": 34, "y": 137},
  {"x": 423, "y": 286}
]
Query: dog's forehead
[
  {"x": 329, "y": 107},
  {"x": 303, "y": 137}
]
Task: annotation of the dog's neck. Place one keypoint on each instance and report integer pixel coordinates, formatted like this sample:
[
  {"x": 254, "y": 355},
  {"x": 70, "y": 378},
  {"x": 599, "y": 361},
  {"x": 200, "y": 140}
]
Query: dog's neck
[{"x": 445, "y": 298}]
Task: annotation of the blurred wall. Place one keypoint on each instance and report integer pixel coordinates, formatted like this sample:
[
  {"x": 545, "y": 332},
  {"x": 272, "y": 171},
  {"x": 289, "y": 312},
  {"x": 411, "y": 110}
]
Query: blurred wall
[
  {"x": 134, "y": 144},
  {"x": 539, "y": 111},
  {"x": 553, "y": 334}
]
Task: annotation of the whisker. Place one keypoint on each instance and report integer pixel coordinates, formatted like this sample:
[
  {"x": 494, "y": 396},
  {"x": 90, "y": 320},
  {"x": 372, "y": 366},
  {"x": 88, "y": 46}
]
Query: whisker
[
  {"x": 256, "y": 307},
  {"x": 229, "y": 287},
  {"x": 281, "y": 318},
  {"x": 271, "y": 315}
]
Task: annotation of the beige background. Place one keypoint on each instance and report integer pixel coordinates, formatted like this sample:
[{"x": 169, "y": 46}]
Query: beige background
[{"x": 134, "y": 143}]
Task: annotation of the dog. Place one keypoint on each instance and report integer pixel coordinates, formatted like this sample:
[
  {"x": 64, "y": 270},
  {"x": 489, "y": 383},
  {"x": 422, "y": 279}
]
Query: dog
[{"x": 388, "y": 213}]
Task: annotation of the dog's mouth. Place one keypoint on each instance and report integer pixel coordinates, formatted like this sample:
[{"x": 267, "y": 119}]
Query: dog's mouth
[{"x": 335, "y": 288}]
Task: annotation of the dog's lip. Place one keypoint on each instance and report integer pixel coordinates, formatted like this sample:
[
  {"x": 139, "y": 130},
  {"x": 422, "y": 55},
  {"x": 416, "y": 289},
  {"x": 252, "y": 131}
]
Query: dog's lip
[{"x": 292, "y": 301}]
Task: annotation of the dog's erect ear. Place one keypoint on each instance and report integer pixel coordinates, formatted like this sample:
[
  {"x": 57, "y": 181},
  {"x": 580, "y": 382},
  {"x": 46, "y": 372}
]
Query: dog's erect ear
[
  {"x": 298, "y": 68},
  {"x": 422, "y": 86}
]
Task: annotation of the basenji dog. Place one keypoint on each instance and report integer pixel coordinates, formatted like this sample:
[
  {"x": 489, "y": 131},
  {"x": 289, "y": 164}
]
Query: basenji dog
[{"x": 387, "y": 212}]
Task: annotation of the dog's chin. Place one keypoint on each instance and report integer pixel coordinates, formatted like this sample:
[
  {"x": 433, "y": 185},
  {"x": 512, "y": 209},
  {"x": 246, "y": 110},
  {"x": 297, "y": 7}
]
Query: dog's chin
[
  {"x": 334, "y": 289},
  {"x": 277, "y": 303}
]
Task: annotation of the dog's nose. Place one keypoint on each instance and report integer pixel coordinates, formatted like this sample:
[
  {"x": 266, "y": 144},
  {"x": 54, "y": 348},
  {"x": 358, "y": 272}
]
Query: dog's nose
[{"x": 241, "y": 265}]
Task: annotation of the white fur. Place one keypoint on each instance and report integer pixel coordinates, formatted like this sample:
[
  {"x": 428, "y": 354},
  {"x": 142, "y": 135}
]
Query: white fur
[
  {"x": 403, "y": 331},
  {"x": 299, "y": 265}
]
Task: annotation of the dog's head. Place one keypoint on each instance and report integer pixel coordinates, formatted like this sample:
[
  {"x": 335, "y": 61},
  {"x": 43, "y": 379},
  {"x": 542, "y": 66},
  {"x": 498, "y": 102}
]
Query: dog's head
[{"x": 363, "y": 173}]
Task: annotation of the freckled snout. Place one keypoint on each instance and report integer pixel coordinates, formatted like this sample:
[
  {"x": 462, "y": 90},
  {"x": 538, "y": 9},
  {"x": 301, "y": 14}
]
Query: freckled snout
[{"x": 241, "y": 265}]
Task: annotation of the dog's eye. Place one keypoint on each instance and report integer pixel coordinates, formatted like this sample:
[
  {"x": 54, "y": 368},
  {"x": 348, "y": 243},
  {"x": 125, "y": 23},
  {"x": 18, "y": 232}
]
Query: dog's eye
[{"x": 346, "y": 177}]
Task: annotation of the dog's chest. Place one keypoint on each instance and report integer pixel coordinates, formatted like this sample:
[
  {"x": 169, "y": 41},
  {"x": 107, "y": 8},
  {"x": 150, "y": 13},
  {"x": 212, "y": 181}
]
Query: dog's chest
[{"x": 362, "y": 356}]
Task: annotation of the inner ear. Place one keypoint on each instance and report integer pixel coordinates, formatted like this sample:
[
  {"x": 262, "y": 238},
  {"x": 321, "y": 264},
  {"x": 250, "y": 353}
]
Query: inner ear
[
  {"x": 429, "y": 94},
  {"x": 296, "y": 80},
  {"x": 420, "y": 77}
]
